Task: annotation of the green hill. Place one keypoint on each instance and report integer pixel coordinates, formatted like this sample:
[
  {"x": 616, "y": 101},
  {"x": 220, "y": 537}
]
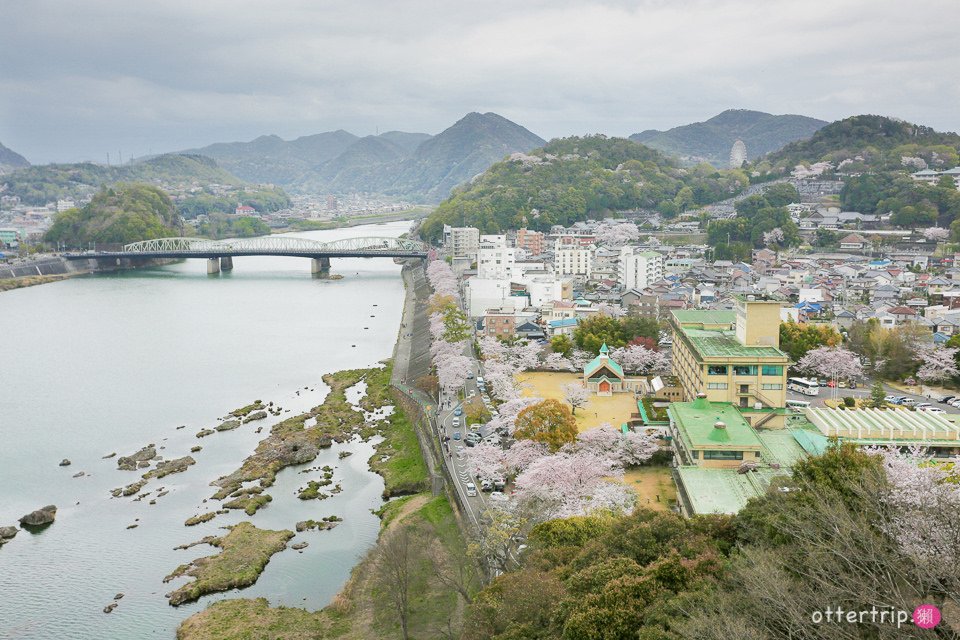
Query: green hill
[
  {"x": 577, "y": 178},
  {"x": 871, "y": 142},
  {"x": 10, "y": 159},
  {"x": 40, "y": 184},
  {"x": 120, "y": 214},
  {"x": 712, "y": 140}
]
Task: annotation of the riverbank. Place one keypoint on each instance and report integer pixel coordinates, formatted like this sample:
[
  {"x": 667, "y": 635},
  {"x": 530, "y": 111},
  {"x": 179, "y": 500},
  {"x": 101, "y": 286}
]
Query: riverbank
[
  {"x": 414, "y": 213},
  {"x": 422, "y": 529}
]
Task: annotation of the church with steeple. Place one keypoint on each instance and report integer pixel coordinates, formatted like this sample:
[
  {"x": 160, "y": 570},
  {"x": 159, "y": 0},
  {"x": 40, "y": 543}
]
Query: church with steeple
[{"x": 603, "y": 376}]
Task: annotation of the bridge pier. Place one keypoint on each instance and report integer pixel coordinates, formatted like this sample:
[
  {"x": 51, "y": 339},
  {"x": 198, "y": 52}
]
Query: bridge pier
[
  {"x": 320, "y": 265},
  {"x": 226, "y": 263},
  {"x": 213, "y": 266}
]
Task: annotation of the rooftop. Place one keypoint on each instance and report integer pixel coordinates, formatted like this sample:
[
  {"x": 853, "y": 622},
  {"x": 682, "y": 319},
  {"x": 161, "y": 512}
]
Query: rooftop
[
  {"x": 711, "y": 334},
  {"x": 875, "y": 426},
  {"x": 723, "y": 490},
  {"x": 695, "y": 423}
]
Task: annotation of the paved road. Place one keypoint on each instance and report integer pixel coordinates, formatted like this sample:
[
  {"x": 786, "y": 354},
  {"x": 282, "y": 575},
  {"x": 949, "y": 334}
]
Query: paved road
[{"x": 863, "y": 391}]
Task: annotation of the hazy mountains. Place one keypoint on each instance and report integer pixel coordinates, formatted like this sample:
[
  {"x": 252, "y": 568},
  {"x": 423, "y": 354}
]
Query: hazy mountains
[
  {"x": 410, "y": 165},
  {"x": 712, "y": 140},
  {"x": 11, "y": 160}
]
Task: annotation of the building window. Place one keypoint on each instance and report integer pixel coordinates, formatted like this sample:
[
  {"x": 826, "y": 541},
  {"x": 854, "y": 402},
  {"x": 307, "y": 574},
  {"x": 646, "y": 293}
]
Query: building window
[
  {"x": 716, "y": 385},
  {"x": 744, "y": 388},
  {"x": 695, "y": 454},
  {"x": 771, "y": 370},
  {"x": 722, "y": 455},
  {"x": 745, "y": 370},
  {"x": 771, "y": 387},
  {"x": 717, "y": 370}
]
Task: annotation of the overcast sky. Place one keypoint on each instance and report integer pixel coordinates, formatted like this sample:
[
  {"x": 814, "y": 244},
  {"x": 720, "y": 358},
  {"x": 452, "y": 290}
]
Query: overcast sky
[{"x": 79, "y": 79}]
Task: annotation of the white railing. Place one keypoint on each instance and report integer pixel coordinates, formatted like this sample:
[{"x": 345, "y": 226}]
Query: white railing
[{"x": 274, "y": 244}]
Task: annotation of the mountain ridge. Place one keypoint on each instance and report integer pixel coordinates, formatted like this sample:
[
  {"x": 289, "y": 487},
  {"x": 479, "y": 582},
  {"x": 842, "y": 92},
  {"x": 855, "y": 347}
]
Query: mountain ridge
[
  {"x": 711, "y": 140},
  {"x": 11, "y": 160}
]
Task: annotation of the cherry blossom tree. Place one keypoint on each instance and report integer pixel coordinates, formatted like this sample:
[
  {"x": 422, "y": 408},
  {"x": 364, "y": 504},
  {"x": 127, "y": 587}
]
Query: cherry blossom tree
[
  {"x": 565, "y": 484},
  {"x": 452, "y": 371},
  {"x": 500, "y": 380},
  {"x": 831, "y": 362},
  {"x": 936, "y": 234},
  {"x": 623, "y": 449},
  {"x": 487, "y": 461},
  {"x": 576, "y": 395},
  {"x": 523, "y": 356},
  {"x": 923, "y": 503},
  {"x": 774, "y": 236},
  {"x": 617, "y": 234},
  {"x": 557, "y": 362},
  {"x": 639, "y": 359},
  {"x": 938, "y": 363},
  {"x": 611, "y": 310},
  {"x": 579, "y": 358},
  {"x": 522, "y": 454},
  {"x": 507, "y": 413},
  {"x": 492, "y": 349},
  {"x": 442, "y": 279}
]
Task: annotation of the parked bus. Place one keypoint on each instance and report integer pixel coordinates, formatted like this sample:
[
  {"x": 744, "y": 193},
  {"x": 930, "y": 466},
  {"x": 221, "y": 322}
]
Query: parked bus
[
  {"x": 797, "y": 405},
  {"x": 804, "y": 386}
]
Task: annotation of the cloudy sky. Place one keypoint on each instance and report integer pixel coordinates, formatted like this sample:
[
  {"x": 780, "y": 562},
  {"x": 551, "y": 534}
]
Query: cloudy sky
[{"x": 80, "y": 79}]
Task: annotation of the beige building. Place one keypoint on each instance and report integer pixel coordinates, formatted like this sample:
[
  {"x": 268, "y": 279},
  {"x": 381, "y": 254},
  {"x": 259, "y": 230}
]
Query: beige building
[{"x": 732, "y": 356}]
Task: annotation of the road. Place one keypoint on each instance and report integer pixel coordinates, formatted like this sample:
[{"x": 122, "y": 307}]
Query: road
[{"x": 863, "y": 391}]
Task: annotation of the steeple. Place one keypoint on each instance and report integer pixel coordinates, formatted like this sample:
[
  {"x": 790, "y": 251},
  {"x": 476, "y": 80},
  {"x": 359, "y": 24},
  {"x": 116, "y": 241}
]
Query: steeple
[{"x": 604, "y": 351}]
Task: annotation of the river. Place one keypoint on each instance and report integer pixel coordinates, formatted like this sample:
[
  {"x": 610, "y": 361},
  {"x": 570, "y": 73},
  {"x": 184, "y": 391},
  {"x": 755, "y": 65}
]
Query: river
[{"x": 111, "y": 362}]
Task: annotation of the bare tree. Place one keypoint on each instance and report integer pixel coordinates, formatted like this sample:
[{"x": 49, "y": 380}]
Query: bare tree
[
  {"x": 455, "y": 570},
  {"x": 397, "y": 556}
]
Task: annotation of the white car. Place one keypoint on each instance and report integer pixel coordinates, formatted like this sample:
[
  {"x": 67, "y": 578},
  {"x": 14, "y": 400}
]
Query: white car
[
  {"x": 499, "y": 496},
  {"x": 934, "y": 410},
  {"x": 471, "y": 490}
]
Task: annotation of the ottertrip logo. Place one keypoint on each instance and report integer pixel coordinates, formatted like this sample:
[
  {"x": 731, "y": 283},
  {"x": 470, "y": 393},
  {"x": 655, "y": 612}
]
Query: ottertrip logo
[{"x": 926, "y": 616}]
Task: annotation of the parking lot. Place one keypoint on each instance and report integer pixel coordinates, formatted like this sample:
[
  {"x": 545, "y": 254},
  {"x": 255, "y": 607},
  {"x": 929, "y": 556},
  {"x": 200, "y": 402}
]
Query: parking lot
[{"x": 863, "y": 391}]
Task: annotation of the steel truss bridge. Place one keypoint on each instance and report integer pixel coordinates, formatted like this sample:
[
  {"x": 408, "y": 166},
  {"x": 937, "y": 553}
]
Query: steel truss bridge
[{"x": 225, "y": 250}]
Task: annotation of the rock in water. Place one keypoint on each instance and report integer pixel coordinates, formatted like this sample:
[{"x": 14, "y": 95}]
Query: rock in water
[
  {"x": 118, "y": 596},
  {"x": 7, "y": 534},
  {"x": 131, "y": 462},
  {"x": 299, "y": 546},
  {"x": 40, "y": 517},
  {"x": 65, "y": 463},
  {"x": 110, "y": 607}
]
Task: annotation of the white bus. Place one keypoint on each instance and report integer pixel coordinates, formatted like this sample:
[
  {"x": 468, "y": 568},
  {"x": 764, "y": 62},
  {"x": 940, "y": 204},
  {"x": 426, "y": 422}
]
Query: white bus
[
  {"x": 797, "y": 405},
  {"x": 804, "y": 386}
]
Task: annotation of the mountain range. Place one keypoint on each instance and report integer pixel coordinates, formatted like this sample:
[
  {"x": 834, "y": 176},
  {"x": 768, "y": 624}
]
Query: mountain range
[
  {"x": 11, "y": 160},
  {"x": 712, "y": 140},
  {"x": 415, "y": 166}
]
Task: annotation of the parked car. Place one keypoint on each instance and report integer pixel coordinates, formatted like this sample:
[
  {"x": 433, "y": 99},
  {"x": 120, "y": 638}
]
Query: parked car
[
  {"x": 842, "y": 384},
  {"x": 955, "y": 403},
  {"x": 499, "y": 484},
  {"x": 853, "y": 384},
  {"x": 890, "y": 399},
  {"x": 948, "y": 399},
  {"x": 498, "y": 496},
  {"x": 486, "y": 485},
  {"x": 936, "y": 410},
  {"x": 470, "y": 443},
  {"x": 831, "y": 384},
  {"x": 470, "y": 376},
  {"x": 471, "y": 489},
  {"x": 908, "y": 402}
]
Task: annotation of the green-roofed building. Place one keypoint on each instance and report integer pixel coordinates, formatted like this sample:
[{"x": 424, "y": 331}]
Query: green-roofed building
[
  {"x": 733, "y": 356},
  {"x": 721, "y": 461},
  {"x": 603, "y": 375}
]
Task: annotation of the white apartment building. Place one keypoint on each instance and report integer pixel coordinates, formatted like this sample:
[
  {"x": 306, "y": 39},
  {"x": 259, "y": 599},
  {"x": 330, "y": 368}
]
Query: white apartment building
[
  {"x": 462, "y": 242},
  {"x": 639, "y": 269},
  {"x": 570, "y": 259},
  {"x": 494, "y": 258}
]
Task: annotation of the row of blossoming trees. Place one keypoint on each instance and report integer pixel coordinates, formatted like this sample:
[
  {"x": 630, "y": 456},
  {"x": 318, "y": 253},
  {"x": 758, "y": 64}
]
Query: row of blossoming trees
[{"x": 936, "y": 363}]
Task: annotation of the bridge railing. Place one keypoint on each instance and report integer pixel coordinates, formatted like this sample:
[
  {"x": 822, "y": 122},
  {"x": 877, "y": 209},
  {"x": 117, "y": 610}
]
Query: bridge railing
[{"x": 274, "y": 244}]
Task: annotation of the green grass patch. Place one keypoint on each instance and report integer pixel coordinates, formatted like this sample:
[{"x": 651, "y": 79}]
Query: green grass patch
[{"x": 244, "y": 552}]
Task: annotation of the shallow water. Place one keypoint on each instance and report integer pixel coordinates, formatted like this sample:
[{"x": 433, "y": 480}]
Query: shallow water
[{"x": 109, "y": 363}]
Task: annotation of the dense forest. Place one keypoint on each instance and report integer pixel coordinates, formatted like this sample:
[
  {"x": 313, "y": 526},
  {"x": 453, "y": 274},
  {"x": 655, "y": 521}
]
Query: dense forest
[
  {"x": 119, "y": 214},
  {"x": 762, "y": 220},
  {"x": 579, "y": 178},
  {"x": 219, "y": 226}
]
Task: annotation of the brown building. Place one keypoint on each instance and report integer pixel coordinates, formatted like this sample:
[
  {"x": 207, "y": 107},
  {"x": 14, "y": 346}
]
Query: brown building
[
  {"x": 530, "y": 241},
  {"x": 500, "y": 323}
]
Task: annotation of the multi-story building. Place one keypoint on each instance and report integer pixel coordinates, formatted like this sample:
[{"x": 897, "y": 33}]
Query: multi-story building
[
  {"x": 572, "y": 259},
  {"x": 732, "y": 356},
  {"x": 494, "y": 258},
  {"x": 462, "y": 242},
  {"x": 530, "y": 241},
  {"x": 639, "y": 269},
  {"x": 500, "y": 323}
]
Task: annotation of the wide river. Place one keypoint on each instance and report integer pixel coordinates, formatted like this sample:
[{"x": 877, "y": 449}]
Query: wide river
[{"x": 109, "y": 363}]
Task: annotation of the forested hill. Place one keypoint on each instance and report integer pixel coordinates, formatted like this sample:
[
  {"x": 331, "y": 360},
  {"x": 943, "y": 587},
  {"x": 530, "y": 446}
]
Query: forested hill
[
  {"x": 711, "y": 141},
  {"x": 119, "y": 214},
  {"x": 10, "y": 159},
  {"x": 577, "y": 178},
  {"x": 40, "y": 184},
  {"x": 869, "y": 142}
]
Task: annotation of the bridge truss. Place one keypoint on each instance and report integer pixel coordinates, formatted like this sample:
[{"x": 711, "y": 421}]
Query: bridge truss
[{"x": 276, "y": 245}]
